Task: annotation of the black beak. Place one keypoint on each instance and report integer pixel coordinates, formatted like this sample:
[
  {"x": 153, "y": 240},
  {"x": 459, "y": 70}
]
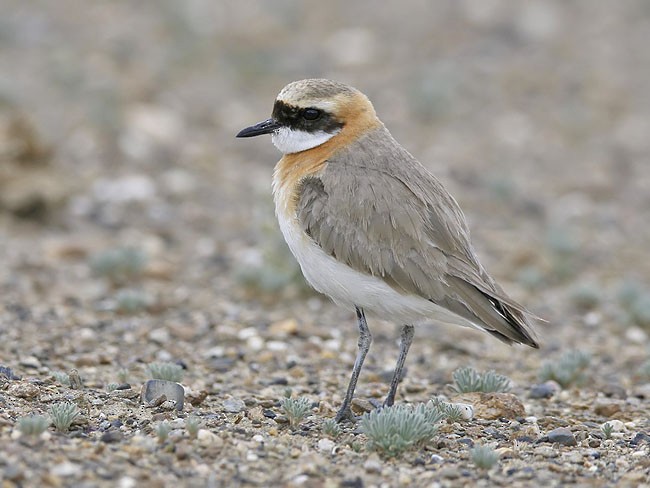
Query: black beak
[{"x": 266, "y": 127}]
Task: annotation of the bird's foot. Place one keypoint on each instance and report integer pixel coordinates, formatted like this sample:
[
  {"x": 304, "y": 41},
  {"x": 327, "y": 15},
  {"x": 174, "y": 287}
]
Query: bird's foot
[{"x": 345, "y": 414}]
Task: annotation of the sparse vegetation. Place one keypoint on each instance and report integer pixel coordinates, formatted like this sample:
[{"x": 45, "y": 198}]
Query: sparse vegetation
[
  {"x": 467, "y": 380},
  {"x": 295, "y": 409},
  {"x": 61, "y": 377},
  {"x": 33, "y": 425},
  {"x": 568, "y": 370},
  {"x": 119, "y": 265},
  {"x": 394, "y": 430},
  {"x": 130, "y": 301},
  {"x": 166, "y": 371},
  {"x": 192, "y": 425},
  {"x": 162, "y": 431},
  {"x": 331, "y": 428},
  {"x": 63, "y": 414},
  {"x": 483, "y": 457},
  {"x": 607, "y": 429}
]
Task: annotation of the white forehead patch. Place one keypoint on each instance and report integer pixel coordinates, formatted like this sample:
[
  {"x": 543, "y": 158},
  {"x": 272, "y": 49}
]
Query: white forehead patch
[{"x": 290, "y": 141}]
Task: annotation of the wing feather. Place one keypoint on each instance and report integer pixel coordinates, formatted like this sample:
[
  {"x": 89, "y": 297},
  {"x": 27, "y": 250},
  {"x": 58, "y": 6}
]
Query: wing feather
[{"x": 376, "y": 209}]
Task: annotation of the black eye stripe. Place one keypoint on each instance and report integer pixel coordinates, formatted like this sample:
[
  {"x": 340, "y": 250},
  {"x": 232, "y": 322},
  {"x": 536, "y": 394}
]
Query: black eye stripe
[{"x": 299, "y": 118}]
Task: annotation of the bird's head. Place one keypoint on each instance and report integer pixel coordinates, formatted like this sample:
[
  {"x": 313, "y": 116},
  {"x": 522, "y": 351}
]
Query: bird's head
[{"x": 309, "y": 113}]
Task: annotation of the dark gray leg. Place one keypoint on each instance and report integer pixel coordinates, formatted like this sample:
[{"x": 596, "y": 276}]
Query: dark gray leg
[
  {"x": 364, "y": 344},
  {"x": 405, "y": 343}
]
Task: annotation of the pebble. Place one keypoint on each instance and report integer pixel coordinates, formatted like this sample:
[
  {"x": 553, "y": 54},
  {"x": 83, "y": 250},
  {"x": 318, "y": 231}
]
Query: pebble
[
  {"x": 607, "y": 409},
  {"x": 66, "y": 469},
  {"x": 544, "y": 390},
  {"x": 546, "y": 451},
  {"x": 111, "y": 436},
  {"x": 436, "y": 459},
  {"x": 450, "y": 473},
  {"x": 373, "y": 464},
  {"x": 155, "y": 389},
  {"x": 616, "y": 425},
  {"x": 234, "y": 405},
  {"x": 326, "y": 445},
  {"x": 207, "y": 438},
  {"x": 30, "y": 362},
  {"x": 562, "y": 435},
  {"x": 23, "y": 390}
]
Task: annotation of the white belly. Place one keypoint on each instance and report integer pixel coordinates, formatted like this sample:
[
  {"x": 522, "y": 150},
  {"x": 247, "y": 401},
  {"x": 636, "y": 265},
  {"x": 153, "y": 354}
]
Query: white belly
[{"x": 351, "y": 288}]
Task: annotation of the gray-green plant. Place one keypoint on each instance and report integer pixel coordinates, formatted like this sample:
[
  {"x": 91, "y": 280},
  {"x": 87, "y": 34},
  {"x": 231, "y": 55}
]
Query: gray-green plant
[
  {"x": 111, "y": 387},
  {"x": 394, "y": 430},
  {"x": 162, "y": 431},
  {"x": 119, "y": 265},
  {"x": 483, "y": 456},
  {"x": 123, "y": 375},
  {"x": 166, "y": 371},
  {"x": 467, "y": 380},
  {"x": 61, "y": 377},
  {"x": 192, "y": 425},
  {"x": 569, "y": 370},
  {"x": 131, "y": 301},
  {"x": 586, "y": 296},
  {"x": 607, "y": 429},
  {"x": 634, "y": 298},
  {"x": 33, "y": 425},
  {"x": 295, "y": 409},
  {"x": 331, "y": 428},
  {"x": 63, "y": 414}
]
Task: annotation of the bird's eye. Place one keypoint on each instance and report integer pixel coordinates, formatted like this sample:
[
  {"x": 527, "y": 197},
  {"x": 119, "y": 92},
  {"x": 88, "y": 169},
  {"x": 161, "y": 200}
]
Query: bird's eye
[{"x": 310, "y": 114}]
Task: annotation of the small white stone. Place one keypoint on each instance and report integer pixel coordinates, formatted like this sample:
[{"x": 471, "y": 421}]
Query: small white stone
[
  {"x": 616, "y": 425},
  {"x": 326, "y": 445},
  {"x": 638, "y": 454},
  {"x": 66, "y": 469},
  {"x": 258, "y": 438},
  {"x": 255, "y": 343},
  {"x": 247, "y": 333},
  {"x": 276, "y": 346}
]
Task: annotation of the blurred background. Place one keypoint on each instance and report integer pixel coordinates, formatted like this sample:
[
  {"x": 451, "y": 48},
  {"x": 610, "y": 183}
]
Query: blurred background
[{"x": 123, "y": 192}]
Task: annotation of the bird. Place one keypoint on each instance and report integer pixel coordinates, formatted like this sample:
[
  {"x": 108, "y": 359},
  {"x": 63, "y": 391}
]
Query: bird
[{"x": 373, "y": 229}]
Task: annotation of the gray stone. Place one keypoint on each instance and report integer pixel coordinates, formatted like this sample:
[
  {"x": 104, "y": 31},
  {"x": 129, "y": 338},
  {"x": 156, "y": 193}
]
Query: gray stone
[
  {"x": 544, "y": 390},
  {"x": 152, "y": 390},
  {"x": 563, "y": 436},
  {"x": 233, "y": 405}
]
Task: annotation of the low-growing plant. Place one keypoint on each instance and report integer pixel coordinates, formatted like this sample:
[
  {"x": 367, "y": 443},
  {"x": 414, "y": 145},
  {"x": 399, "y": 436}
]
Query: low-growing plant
[
  {"x": 295, "y": 409},
  {"x": 568, "y": 370},
  {"x": 111, "y": 387},
  {"x": 331, "y": 428},
  {"x": 130, "y": 301},
  {"x": 61, "y": 377},
  {"x": 162, "y": 431},
  {"x": 607, "y": 429},
  {"x": 192, "y": 425},
  {"x": 119, "y": 265},
  {"x": 166, "y": 371},
  {"x": 33, "y": 425},
  {"x": 123, "y": 375},
  {"x": 393, "y": 430},
  {"x": 63, "y": 414},
  {"x": 468, "y": 380},
  {"x": 483, "y": 457}
]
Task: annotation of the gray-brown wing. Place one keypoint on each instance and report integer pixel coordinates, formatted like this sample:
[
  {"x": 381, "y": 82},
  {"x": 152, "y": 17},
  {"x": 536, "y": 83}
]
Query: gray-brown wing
[{"x": 413, "y": 235}]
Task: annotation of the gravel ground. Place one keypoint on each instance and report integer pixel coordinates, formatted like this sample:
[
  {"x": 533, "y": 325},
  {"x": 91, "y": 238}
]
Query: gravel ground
[{"x": 135, "y": 229}]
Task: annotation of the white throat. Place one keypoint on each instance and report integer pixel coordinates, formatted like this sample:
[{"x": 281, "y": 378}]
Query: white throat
[{"x": 290, "y": 141}]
